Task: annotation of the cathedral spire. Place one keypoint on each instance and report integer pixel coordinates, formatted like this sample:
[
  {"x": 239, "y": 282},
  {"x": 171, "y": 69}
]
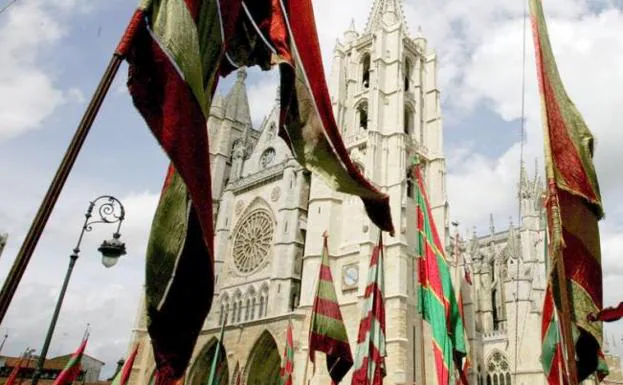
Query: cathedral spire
[
  {"x": 236, "y": 102},
  {"x": 386, "y": 12}
]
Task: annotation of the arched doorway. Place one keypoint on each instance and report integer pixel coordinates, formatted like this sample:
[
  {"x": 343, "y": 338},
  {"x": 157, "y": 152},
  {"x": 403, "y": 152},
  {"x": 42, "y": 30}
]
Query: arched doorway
[
  {"x": 200, "y": 372},
  {"x": 264, "y": 362}
]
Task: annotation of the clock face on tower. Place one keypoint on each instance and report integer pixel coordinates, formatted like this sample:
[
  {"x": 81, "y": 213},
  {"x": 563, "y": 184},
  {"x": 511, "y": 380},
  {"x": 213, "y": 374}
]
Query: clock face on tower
[{"x": 350, "y": 276}]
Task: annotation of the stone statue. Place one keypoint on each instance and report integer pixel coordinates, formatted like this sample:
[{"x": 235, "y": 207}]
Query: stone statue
[{"x": 238, "y": 154}]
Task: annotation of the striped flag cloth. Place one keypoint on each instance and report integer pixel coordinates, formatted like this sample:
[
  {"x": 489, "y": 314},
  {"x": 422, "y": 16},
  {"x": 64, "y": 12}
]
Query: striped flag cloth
[
  {"x": 437, "y": 301},
  {"x": 573, "y": 208},
  {"x": 287, "y": 366},
  {"x": 327, "y": 332},
  {"x": 124, "y": 374},
  {"x": 464, "y": 369},
  {"x": 72, "y": 368},
  {"x": 370, "y": 354}
]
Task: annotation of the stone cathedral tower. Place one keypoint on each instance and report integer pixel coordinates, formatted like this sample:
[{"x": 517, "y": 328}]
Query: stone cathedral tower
[
  {"x": 386, "y": 101},
  {"x": 270, "y": 214}
]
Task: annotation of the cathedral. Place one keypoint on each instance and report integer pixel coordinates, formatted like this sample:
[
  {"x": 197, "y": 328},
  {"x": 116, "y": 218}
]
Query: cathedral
[{"x": 270, "y": 215}]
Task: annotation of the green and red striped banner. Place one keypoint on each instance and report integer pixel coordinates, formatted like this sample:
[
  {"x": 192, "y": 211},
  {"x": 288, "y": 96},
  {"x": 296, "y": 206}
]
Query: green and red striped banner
[
  {"x": 327, "y": 332},
  {"x": 72, "y": 368},
  {"x": 287, "y": 367},
  {"x": 370, "y": 354},
  {"x": 573, "y": 210},
  {"x": 437, "y": 301},
  {"x": 124, "y": 374}
]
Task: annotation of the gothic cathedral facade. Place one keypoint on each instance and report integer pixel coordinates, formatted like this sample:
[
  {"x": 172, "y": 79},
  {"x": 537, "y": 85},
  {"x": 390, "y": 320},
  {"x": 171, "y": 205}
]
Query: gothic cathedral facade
[{"x": 271, "y": 214}]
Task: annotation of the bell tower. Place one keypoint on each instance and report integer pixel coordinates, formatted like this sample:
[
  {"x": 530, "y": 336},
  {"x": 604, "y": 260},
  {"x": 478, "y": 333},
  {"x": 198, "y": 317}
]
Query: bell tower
[{"x": 383, "y": 84}]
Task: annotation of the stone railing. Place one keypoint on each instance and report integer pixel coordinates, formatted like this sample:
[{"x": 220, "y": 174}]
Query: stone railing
[
  {"x": 263, "y": 176},
  {"x": 356, "y": 138},
  {"x": 495, "y": 335}
]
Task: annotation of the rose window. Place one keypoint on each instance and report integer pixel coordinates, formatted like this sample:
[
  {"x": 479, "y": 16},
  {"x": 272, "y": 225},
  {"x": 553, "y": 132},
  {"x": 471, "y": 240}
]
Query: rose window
[{"x": 252, "y": 241}]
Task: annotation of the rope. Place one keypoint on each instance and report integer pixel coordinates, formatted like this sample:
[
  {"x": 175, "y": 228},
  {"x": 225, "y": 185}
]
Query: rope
[{"x": 521, "y": 163}]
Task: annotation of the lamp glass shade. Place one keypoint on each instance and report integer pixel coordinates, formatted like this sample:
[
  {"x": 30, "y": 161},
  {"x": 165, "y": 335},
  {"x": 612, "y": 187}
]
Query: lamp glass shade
[{"x": 109, "y": 260}]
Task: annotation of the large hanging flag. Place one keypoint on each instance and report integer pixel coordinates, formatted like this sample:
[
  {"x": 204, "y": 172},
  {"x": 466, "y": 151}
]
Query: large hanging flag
[
  {"x": 573, "y": 209},
  {"x": 370, "y": 354},
  {"x": 176, "y": 50},
  {"x": 327, "y": 332},
  {"x": 437, "y": 301},
  {"x": 124, "y": 374},
  {"x": 73, "y": 366},
  {"x": 287, "y": 366}
]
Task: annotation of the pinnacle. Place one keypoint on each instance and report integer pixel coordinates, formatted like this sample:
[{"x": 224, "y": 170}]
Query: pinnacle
[{"x": 386, "y": 11}]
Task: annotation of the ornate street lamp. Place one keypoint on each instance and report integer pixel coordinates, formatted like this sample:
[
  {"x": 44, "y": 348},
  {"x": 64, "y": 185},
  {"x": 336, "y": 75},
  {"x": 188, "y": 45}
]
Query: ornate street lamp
[{"x": 109, "y": 210}]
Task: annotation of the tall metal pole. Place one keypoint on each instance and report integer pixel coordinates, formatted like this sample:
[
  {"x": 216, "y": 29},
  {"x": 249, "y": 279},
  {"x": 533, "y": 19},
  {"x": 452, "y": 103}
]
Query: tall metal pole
[
  {"x": 3, "y": 341},
  {"x": 57, "y": 309},
  {"x": 107, "y": 214}
]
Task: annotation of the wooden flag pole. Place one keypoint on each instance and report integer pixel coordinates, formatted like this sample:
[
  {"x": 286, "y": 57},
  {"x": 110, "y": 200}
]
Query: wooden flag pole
[
  {"x": 565, "y": 321},
  {"x": 60, "y": 178}
]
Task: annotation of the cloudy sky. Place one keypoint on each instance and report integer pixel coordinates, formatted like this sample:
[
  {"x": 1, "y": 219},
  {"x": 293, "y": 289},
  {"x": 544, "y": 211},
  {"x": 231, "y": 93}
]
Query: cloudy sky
[{"x": 53, "y": 52}]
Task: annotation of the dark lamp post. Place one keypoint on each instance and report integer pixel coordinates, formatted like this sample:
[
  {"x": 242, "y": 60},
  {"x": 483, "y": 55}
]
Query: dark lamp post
[{"x": 107, "y": 209}]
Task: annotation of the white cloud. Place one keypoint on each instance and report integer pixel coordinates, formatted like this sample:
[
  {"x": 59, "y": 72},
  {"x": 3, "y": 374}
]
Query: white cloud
[{"x": 28, "y": 93}]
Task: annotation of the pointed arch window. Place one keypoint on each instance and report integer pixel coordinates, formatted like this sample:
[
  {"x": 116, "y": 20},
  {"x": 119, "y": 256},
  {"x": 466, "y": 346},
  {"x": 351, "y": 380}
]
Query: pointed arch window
[
  {"x": 247, "y": 309},
  {"x": 498, "y": 370},
  {"x": 407, "y": 74},
  {"x": 261, "y": 309},
  {"x": 365, "y": 70},
  {"x": 410, "y": 185},
  {"x": 239, "y": 311},
  {"x": 362, "y": 115},
  {"x": 252, "y": 308},
  {"x": 408, "y": 120}
]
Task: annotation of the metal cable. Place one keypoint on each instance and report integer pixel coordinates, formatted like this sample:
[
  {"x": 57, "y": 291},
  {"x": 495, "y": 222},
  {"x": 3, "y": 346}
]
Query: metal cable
[{"x": 521, "y": 163}]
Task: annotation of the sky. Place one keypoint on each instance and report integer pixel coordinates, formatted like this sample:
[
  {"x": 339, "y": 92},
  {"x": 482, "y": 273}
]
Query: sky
[{"x": 52, "y": 53}]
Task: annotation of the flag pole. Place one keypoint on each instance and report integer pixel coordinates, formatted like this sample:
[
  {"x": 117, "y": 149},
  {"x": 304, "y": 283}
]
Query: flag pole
[
  {"x": 217, "y": 353},
  {"x": 565, "y": 321},
  {"x": 62, "y": 173}
]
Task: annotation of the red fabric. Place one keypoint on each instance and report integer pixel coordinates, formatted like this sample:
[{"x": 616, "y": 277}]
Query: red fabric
[
  {"x": 172, "y": 113},
  {"x": 608, "y": 314},
  {"x": 127, "y": 367},
  {"x": 14, "y": 373},
  {"x": 130, "y": 32},
  {"x": 564, "y": 153},
  {"x": 327, "y": 308},
  {"x": 288, "y": 366},
  {"x": 325, "y": 273},
  {"x": 468, "y": 275},
  {"x": 301, "y": 18},
  {"x": 71, "y": 372},
  {"x": 554, "y": 375},
  {"x": 361, "y": 375}
]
